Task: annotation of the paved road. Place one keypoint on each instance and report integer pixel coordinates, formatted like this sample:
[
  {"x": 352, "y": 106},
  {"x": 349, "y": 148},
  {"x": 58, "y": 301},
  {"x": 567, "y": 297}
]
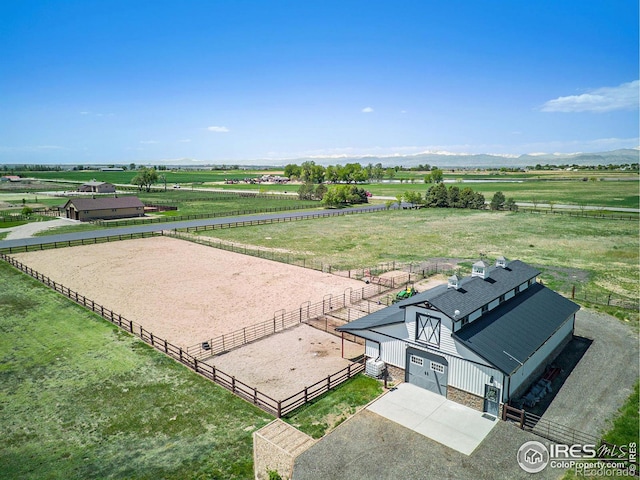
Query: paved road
[{"x": 156, "y": 227}]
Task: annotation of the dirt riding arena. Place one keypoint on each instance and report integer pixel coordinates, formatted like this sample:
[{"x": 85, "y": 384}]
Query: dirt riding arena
[
  {"x": 181, "y": 291},
  {"x": 283, "y": 364}
]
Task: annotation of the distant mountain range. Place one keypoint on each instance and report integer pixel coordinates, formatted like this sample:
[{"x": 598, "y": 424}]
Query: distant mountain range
[{"x": 455, "y": 160}]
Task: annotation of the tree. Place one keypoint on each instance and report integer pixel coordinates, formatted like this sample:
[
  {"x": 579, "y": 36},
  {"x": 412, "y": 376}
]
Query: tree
[
  {"x": 331, "y": 174},
  {"x": 292, "y": 171},
  {"x": 26, "y": 211},
  {"x": 145, "y": 178},
  {"x": 306, "y": 191},
  {"x": 454, "y": 197},
  {"x": 320, "y": 192},
  {"x": 477, "y": 202},
  {"x": 511, "y": 205},
  {"x": 437, "y": 175},
  {"x": 437, "y": 196},
  {"x": 413, "y": 198},
  {"x": 497, "y": 202},
  {"x": 428, "y": 178}
]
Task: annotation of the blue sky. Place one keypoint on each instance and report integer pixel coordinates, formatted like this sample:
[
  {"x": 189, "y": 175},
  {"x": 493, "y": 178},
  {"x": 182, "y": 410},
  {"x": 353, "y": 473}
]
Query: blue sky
[{"x": 87, "y": 81}]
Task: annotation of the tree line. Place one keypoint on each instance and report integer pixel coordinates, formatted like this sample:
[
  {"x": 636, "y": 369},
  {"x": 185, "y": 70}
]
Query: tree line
[
  {"x": 310, "y": 172},
  {"x": 439, "y": 196}
]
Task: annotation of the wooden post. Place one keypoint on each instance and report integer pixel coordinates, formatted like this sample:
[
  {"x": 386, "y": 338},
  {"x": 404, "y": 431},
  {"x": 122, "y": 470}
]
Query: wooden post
[{"x": 342, "y": 336}]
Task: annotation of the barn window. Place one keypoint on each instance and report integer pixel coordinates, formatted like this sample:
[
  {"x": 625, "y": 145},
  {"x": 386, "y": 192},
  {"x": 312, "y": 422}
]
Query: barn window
[
  {"x": 464, "y": 321},
  {"x": 428, "y": 329},
  {"x": 416, "y": 360},
  {"x": 485, "y": 308},
  {"x": 517, "y": 289},
  {"x": 437, "y": 367},
  {"x": 501, "y": 298}
]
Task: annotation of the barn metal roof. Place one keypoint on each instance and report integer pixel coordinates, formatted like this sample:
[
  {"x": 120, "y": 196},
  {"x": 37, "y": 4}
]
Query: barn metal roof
[
  {"x": 104, "y": 203},
  {"x": 474, "y": 292},
  {"x": 508, "y": 335}
]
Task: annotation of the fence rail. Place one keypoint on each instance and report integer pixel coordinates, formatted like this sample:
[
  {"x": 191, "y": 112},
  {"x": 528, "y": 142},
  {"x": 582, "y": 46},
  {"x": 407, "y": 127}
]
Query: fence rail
[
  {"x": 82, "y": 241},
  {"x": 237, "y": 387},
  {"x": 282, "y": 320},
  {"x": 585, "y": 214},
  {"x": 179, "y": 218},
  {"x": 547, "y": 429}
]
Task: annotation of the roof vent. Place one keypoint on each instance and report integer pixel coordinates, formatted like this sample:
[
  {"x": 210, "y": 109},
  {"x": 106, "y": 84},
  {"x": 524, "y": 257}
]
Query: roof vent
[
  {"x": 454, "y": 282},
  {"x": 480, "y": 269},
  {"x": 501, "y": 262}
]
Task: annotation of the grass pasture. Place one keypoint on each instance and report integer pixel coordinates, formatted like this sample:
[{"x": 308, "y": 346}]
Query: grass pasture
[
  {"x": 598, "y": 254},
  {"x": 80, "y": 399}
]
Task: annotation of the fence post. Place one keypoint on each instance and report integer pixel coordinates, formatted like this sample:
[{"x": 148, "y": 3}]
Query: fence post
[
  {"x": 195, "y": 364},
  {"x": 180, "y": 354},
  {"x": 233, "y": 384},
  {"x": 279, "y": 412}
]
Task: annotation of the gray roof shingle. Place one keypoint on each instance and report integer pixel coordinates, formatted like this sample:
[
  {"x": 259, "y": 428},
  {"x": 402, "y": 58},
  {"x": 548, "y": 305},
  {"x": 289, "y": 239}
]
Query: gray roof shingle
[{"x": 104, "y": 203}]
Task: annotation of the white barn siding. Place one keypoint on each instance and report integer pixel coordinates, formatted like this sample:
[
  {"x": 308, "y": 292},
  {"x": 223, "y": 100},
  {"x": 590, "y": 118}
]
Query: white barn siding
[
  {"x": 472, "y": 377},
  {"x": 371, "y": 349},
  {"x": 522, "y": 374}
]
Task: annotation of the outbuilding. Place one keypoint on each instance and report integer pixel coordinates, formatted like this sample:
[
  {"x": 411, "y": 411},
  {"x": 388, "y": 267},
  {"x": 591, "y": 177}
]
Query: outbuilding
[
  {"x": 481, "y": 340},
  {"x": 104, "y": 208},
  {"x": 97, "y": 187}
]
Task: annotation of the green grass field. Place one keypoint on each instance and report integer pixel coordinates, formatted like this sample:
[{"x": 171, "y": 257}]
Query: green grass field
[
  {"x": 81, "y": 399},
  {"x": 599, "y": 254}
]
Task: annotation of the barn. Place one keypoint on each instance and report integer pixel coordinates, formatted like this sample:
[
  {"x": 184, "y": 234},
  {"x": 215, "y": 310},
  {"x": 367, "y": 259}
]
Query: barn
[
  {"x": 86, "y": 209},
  {"x": 97, "y": 187},
  {"x": 481, "y": 340}
]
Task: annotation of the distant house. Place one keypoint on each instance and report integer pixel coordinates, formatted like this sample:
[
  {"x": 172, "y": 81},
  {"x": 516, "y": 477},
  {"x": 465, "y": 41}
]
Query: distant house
[
  {"x": 103, "y": 208},
  {"x": 112, "y": 169},
  {"x": 481, "y": 340},
  {"x": 10, "y": 178},
  {"x": 97, "y": 187}
]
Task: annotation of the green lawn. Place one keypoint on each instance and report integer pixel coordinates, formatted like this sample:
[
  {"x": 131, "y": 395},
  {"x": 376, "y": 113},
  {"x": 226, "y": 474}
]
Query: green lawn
[
  {"x": 602, "y": 255},
  {"x": 327, "y": 412},
  {"x": 81, "y": 399}
]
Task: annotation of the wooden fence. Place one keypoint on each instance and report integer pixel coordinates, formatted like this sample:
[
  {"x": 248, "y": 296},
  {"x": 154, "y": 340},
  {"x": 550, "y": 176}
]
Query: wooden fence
[
  {"x": 180, "y": 218},
  {"x": 83, "y": 241},
  {"x": 603, "y": 215},
  {"x": 237, "y": 387},
  {"x": 282, "y": 320}
]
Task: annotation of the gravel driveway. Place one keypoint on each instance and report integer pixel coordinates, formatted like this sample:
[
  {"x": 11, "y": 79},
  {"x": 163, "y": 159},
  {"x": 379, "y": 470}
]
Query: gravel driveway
[
  {"x": 29, "y": 229},
  {"x": 369, "y": 446}
]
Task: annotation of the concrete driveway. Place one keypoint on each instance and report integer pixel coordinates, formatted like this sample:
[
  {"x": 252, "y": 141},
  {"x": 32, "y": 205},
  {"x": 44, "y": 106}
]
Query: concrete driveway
[
  {"x": 369, "y": 445},
  {"x": 449, "y": 423}
]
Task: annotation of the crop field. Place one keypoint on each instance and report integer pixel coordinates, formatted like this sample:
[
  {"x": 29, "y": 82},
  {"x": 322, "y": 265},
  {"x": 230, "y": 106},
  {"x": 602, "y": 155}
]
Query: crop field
[{"x": 600, "y": 254}]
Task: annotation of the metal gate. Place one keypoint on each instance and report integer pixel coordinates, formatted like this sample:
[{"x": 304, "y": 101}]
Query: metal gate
[{"x": 427, "y": 370}]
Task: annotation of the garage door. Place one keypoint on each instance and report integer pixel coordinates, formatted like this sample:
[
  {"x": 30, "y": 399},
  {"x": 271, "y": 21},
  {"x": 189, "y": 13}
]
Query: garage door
[{"x": 427, "y": 370}]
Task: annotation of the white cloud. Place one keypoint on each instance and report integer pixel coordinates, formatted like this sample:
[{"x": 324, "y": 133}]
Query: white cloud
[
  {"x": 605, "y": 99},
  {"x": 218, "y": 129},
  {"x": 367, "y": 110}
]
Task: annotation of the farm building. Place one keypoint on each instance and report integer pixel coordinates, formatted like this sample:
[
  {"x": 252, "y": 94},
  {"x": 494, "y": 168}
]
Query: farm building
[
  {"x": 97, "y": 187},
  {"x": 481, "y": 340},
  {"x": 10, "y": 178},
  {"x": 85, "y": 209}
]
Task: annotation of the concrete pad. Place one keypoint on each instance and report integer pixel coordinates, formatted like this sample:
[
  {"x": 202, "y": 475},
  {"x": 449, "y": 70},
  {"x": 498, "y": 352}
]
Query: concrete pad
[{"x": 449, "y": 423}]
